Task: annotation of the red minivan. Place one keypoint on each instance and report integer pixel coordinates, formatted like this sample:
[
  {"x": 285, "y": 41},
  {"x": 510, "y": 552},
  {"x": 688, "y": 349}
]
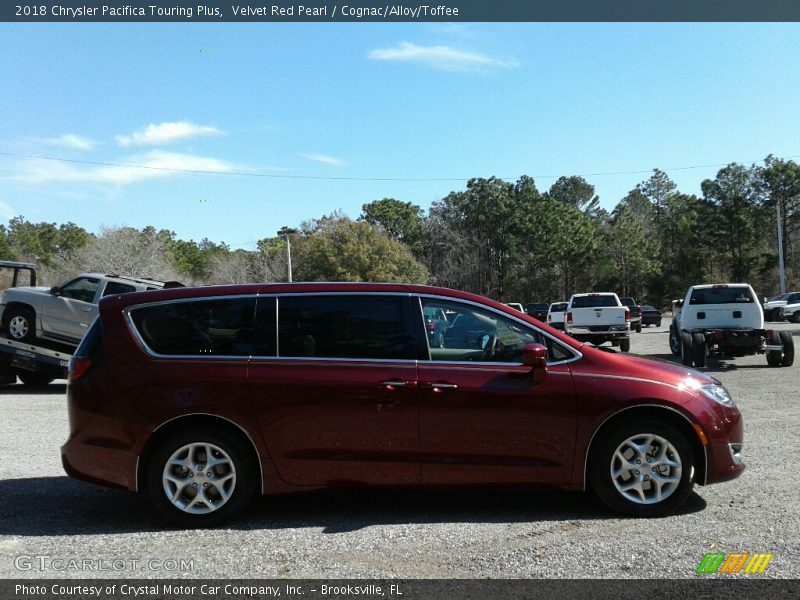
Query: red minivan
[{"x": 203, "y": 397}]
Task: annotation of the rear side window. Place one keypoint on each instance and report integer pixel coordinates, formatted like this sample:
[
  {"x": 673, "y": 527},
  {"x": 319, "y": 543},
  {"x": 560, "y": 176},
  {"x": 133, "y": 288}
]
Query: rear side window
[
  {"x": 345, "y": 326},
  {"x": 593, "y": 301},
  {"x": 219, "y": 327},
  {"x": 114, "y": 287},
  {"x": 721, "y": 295}
]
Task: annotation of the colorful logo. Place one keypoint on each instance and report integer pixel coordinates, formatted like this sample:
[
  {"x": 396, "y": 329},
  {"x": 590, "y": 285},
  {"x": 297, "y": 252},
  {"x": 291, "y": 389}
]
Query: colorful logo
[{"x": 737, "y": 562}]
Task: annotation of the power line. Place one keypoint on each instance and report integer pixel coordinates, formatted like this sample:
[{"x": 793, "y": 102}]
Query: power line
[{"x": 334, "y": 178}]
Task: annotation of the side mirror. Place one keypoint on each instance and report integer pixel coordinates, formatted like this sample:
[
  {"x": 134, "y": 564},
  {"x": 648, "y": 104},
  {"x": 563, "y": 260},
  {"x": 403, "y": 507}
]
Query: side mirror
[
  {"x": 55, "y": 290},
  {"x": 535, "y": 356}
]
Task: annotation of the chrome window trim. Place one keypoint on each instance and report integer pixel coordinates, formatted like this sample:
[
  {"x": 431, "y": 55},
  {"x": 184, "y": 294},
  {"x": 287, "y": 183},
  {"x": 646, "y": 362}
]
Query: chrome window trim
[
  {"x": 649, "y": 405},
  {"x": 576, "y": 354},
  {"x": 137, "y": 335},
  {"x": 202, "y": 414}
]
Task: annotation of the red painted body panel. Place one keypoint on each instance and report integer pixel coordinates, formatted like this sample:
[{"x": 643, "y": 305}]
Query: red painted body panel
[{"x": 317, "y": 423}]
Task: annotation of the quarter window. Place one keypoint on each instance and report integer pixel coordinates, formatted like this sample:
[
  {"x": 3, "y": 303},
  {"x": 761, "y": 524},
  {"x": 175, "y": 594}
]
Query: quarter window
[
  {"x": 220, "y": 327},
  {"x": 345, "y": 326}
]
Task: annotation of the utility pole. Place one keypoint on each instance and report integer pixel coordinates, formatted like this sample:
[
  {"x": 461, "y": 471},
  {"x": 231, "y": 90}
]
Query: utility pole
[
  {"x": 286, "y": 232},
  {"x": 781, "y": 268}
]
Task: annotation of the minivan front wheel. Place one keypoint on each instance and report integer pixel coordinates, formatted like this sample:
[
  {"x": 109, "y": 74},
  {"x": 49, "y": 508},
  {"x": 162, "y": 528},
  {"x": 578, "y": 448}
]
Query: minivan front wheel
[
  {"x": 200, "y": 478},
  {"x": 642, "y": 468}
]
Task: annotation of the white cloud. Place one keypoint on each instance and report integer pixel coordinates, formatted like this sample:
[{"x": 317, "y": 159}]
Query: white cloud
[
  {"x": 152, "y": 165},
  {"x": 440, "y": 57},
  {"x": 163, "y": 134},
  {"x": 322, "y": 158},
  {"x": 69, "y": 140}
]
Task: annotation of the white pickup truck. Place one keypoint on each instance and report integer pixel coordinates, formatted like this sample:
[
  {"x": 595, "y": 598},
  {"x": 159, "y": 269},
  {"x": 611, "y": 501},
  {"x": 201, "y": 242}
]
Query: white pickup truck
[
  {"x": 598, "y": 318},
  {"x": 725, "y": 319}
]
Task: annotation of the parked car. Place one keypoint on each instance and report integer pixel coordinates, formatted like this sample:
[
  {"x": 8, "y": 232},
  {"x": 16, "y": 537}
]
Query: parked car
[
  {"x": 636, "y": 312},
  {"x": 650, "y": 316},
  {"x": 774, "y": 305},
  {"x": 725, "y": 319},
  {"x": 791, "y": 310},
  {"x": 537, "y": 310},
  {"x": 555, "y": 315},
  {"x": 203, "y": 397},
  {"x": 62, "y": 313},
  {"x": 515, "y": 306}
]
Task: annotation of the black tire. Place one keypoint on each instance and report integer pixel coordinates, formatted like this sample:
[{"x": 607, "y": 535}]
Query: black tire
[
  {"x": 658, "y": 324},
  {"x": 674, "y": 341},
  {"x": 787, "y": 341},
  {"x": 638, "y": 328},
  {"x": 699, "y": 349},
  {"x": 796, "y": 317},
  {"x": 625, "y": 344},
  {"x": 20, "y": 324},
  {"x": 238, "y": 461},
  {"x": 687, "y": 356},
  {"x": 33, "y": 379},
  {"x": 605, "y": 461},
  {"x": 774, "y": 357}
]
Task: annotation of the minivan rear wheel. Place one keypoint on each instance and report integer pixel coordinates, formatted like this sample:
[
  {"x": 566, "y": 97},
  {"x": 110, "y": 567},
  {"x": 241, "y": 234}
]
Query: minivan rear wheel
[
  {"x": 643, "y": 468},
  {"x": 200, "y": 478}
]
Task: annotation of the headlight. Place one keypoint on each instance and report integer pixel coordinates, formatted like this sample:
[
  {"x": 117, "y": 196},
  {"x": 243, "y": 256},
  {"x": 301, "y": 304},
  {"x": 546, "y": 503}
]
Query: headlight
[{"x": 717, "y": 393}]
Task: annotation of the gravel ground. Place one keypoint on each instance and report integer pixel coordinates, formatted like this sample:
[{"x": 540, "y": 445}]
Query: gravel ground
[{"x": 406, "y": 534}]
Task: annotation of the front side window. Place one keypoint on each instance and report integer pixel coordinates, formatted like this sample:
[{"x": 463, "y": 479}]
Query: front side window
[
  {"x": 345, "y": 326},
  {"x": 82, "y": 289},
  {"x": 219, "y": 327},
  {"x": 471, "y": 333}
]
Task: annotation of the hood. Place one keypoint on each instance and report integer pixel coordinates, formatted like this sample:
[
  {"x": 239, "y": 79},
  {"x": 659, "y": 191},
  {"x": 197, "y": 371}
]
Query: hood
[
  {"x": 27, "y": 290},
  {"x": 651, "y": 369},
  {"x": 775, "y": 303}
]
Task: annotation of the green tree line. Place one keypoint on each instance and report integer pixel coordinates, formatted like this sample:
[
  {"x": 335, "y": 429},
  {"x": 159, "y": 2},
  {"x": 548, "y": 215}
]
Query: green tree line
[{"x": 506, "y": 240}]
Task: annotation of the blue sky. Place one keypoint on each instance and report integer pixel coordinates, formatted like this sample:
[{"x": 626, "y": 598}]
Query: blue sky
[{"x": 321, "y": 112}]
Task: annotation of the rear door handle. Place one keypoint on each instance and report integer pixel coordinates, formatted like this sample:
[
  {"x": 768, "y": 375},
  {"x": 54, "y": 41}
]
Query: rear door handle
[{"x": 438, "y": 388}]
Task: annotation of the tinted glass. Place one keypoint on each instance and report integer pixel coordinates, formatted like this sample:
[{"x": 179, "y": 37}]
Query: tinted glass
[
  {"x": 345, "y": 326},
  {"x": 721, "y": 295},
  {"x": 114, "y": 287},
  {"x": 558, "y": 307},
  {"x": 221, "y": 327},
  {"x": 593, "y": 301},
  {"x": 265, "y": 340},
  {"x": 649, "y": 308},
  {"x": 82, "y": 289}
]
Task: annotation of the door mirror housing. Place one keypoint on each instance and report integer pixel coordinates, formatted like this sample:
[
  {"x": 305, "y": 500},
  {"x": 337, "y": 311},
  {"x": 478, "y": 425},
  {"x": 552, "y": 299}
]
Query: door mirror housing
[
  {"x": 535, "y": 356},
  {"x": 55, "y": 290}
]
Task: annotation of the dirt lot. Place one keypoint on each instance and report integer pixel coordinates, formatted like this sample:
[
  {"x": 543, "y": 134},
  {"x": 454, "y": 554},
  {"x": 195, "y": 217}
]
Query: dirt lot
[{"x": 47, "y": 519}]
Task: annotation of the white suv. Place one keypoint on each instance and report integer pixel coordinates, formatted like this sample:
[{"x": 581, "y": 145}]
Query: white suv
[{"x": 64, "y": 312}]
